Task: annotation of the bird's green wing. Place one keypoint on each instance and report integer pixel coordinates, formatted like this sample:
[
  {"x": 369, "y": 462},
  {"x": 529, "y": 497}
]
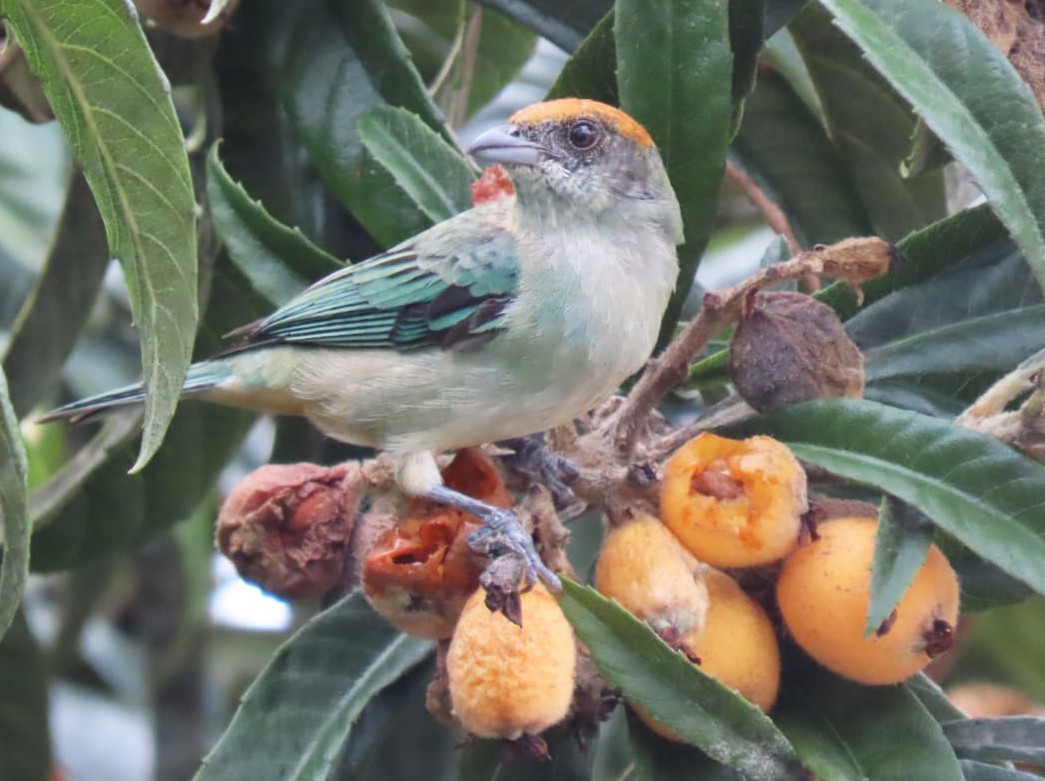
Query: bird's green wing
[{"x": 446, "y": 287}]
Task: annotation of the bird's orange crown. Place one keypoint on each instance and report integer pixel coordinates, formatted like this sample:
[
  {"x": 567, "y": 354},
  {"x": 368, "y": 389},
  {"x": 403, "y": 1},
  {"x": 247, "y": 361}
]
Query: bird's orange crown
[{"x": 573, "y": 108}]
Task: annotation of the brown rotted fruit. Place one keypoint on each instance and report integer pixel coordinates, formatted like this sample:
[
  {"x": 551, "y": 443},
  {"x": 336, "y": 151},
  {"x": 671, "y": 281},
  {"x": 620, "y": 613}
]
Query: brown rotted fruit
[{"x": 789, "y": 348}]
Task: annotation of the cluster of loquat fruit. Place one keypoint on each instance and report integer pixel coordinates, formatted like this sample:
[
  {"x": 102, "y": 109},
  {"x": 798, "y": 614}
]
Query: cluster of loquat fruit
[{"x": 728, "y": 509}]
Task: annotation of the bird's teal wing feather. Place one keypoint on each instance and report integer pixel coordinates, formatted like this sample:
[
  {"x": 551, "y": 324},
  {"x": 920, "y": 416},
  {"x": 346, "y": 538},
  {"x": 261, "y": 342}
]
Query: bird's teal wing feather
[{"x": 448, "y": 286}]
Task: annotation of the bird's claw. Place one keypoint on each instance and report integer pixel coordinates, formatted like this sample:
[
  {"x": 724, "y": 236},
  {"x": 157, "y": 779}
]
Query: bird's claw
[
  {"x": 501, "y": 535},
  {"x": 532, "y": 457}
]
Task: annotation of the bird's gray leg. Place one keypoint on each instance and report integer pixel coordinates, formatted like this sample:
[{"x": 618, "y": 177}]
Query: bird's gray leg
[{"x": 501, "y": 533}]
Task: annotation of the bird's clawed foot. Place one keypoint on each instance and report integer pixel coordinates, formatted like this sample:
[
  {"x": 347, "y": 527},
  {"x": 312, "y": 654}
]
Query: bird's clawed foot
[
  {"x": 503, "y": 536},
  {"x": 534, "y": 459}
]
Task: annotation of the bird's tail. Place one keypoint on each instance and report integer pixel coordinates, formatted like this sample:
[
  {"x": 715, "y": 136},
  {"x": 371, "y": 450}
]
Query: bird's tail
[{"x": 201, "y": 376}]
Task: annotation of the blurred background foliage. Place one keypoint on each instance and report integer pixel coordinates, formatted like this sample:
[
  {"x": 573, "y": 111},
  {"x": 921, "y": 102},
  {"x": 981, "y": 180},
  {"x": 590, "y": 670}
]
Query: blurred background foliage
[{"x": 341, "y": 124}]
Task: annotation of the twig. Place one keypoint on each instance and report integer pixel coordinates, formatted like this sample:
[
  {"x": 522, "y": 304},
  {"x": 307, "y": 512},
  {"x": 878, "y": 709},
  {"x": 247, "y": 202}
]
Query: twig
[
  {"x": 773, "y": 214},
  {"x": 671, "y": 367}
]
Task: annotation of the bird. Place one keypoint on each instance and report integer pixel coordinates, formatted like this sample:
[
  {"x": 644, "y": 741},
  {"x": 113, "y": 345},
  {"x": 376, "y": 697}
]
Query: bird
[{"x": 505, "y": 320}]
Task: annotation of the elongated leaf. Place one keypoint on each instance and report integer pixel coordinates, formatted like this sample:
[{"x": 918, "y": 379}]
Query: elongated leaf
[
  {"x": 111, "y": 511},
  {"x": 434, "y": 174},
  {"x": 746, "y": 30},
  {"x": 614, "y": 758},
  {"x": 564, "y": 24},
  {"x": 674, "y": 71},
  {"x": 900, "y": 547},
  {"x": 984, "y": 493},
  {"x": 980, "y": 771},
  {"x": 658, "y": 759},
  {"x": 592, "y": 70},
  {"x": 779, "y": 13},
  {"x": 304, "y": 705},
  {"x": 115, "y": 109},
  {"x": 52, "y": 318},
  {"x": 14, "y": 515},
  {"x": 331, "y": 63},
  {"x": 970, "y": 97},
  {"x": 871, "y": 126},
  {"x": 995, "y": 342},
  {"x": 25, "y": 744},
  {"x": 279, "y": 261},
  {"x": 674, "y": 691},
  {"x": 846, "y": 732},
  {"x": 783, "y": 146},
  {"x": 1005, "y": 739}
]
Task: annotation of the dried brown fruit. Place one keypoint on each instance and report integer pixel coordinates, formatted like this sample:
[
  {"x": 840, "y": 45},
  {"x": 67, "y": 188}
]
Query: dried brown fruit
[
  {"x": 286, "y": 527},
  {"x": 790, "y": 348}
]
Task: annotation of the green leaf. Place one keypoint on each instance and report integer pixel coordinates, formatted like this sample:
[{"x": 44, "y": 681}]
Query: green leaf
[
  {"x": 984, "y": 493},
  {"x": 614, "y": 758},
  {"x": 25, "y": 742},
  {"x": 52, "y": 319},
  {"x": 779, "y": 13},
  {"x": 969, "y": 95},
  {"x": 1008, "y": 642},
  {"x": 304, "y": 705},
  {"x": 330, "y": 64},
  {"x": 847, "y": 732},
  {"x": 564, "y": 24},
  {"x": 1005, "y": 739},
  {"x": 658, "y": 759},
  {"x": 933, "y": 698},
  {"x": 979, "y": 771},
  {"x": 994, "y": 342},
  {"x": 115, "y": 108},
  {"x": 109, "y": 510},
  {"x": 746, "y": 29},
  {"x": 900, "y": 547},
  {"x": 783, "y": 146},
  {"x": 14, "y": 511},
  {"x": 674, "y": 691},
  {"x": 674, "y": 71},
  {"x": 871, "y": 126},
  {"x": 591, "y": 71},
  {"x": 279, "y": 261},
  {"x": 434, "y": 174},
  {"x": 504, "y": 49}
]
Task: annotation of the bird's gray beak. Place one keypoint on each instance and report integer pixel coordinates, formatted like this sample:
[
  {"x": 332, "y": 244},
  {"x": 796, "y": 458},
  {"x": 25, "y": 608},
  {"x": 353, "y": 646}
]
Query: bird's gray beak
[{"x": 503, "y": 145}]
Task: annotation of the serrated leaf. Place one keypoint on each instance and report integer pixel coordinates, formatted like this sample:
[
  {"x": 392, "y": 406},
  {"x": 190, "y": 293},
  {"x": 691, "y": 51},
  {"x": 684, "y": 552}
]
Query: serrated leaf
[
  {"x": 564, "y": 24},
  {"x": 969, "y": 95},
  {"x": 994, "y": 342},
  {"x": 1004, "y": 739},
  {"x": 434, "y": 174},
  {"x": 985, "y": 493},
  {"x": 674, "y": 691},
  {"x": 980, "y": 771},
  {"x": 52, "y": 318},
  {"x": 15, "y": 528},
  {"x": 746, "y": 31},
  {"x": 783, "y": 146},
  {"x": 25, "y": 742},
  {"x": 674, "y": 73},
  {"x": 115, "y": 108},
  {"x": 331, "y": 63},
  {"x": 279, "y": 261},
  {"x": 303, "y": 706},
  {"x": 847, "y": 732},
  {"x": 900, "y": 547},
  {"x": 871, "y": 126}
]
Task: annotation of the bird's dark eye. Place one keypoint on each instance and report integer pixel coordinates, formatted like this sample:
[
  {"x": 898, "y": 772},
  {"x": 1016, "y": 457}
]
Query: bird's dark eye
[{"x": 583, "y": 135}]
